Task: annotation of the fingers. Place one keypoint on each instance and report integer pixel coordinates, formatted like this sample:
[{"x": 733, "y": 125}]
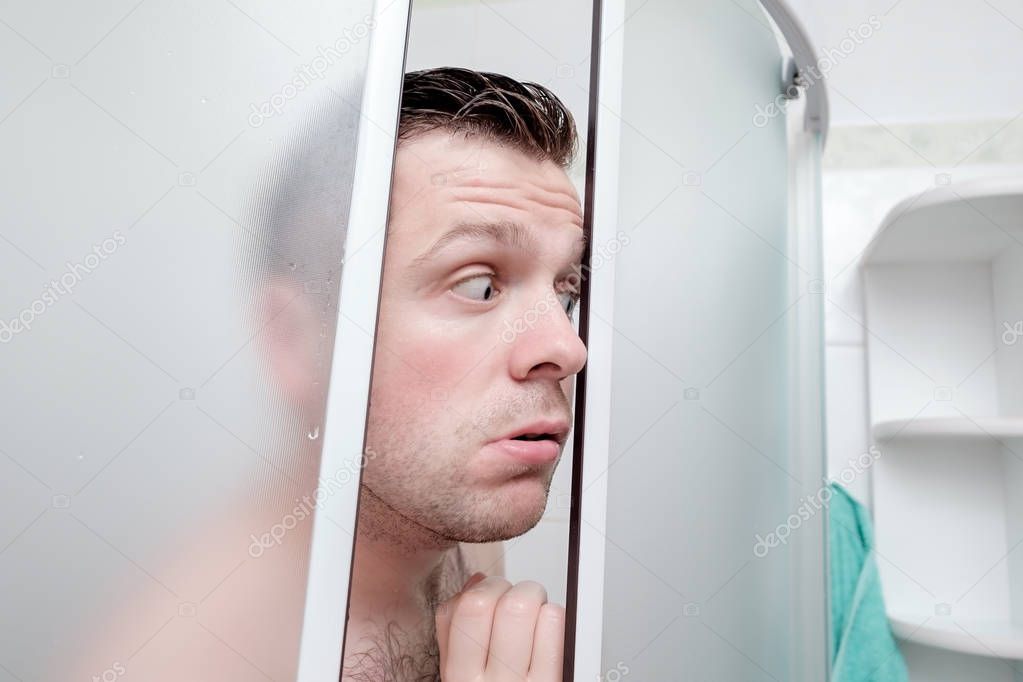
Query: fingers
[
  {"x": 471, "y": 625},
  {"x": 548, "y": 645},
  {"x": 511, "y": 642},
  {"x": 501, "y": 633},
  {"x": 444, "y": 614}
]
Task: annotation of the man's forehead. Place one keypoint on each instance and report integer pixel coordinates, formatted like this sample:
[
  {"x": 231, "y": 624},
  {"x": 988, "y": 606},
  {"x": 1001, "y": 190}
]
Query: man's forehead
[{"x": 439, "y": 160}]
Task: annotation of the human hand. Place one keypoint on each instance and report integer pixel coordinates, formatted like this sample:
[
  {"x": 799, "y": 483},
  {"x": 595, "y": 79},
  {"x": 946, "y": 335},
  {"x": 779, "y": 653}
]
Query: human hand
[{"x": 492, "y": 631}]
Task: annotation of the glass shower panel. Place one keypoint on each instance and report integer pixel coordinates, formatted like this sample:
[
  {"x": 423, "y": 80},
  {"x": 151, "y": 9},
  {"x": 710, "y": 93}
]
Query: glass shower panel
[
  {"x": 714, "y": 419},
  {"x": 176, "y": 184}
]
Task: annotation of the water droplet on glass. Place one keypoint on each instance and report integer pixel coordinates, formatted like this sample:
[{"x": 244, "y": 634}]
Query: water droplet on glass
[
  {"x": 292, "y": 266},
  {"x": 131, "y": 92},
  {"x": 314, "y": 433},
  {"x": 203, "y": 100}
]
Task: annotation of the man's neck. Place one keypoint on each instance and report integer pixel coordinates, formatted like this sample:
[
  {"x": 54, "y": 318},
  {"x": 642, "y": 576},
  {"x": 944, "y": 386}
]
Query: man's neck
[
  {"x": 401, "y": 572},
  {"x": 399, "y": 565}
]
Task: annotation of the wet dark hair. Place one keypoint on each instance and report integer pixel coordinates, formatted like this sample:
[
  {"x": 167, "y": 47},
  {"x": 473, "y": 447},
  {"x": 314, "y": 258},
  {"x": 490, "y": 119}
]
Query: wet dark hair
[{"x": 525, "y": 116}]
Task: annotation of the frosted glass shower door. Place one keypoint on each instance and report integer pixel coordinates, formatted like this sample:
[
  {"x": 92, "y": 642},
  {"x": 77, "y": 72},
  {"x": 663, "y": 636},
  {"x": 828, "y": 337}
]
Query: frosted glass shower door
[
  {"x": 180, "y": 185},
  {"x": 715, "y": 419}
]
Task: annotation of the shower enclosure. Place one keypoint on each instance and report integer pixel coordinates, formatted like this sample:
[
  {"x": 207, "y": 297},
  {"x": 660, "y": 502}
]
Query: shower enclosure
[{"x": 194, "y": 207}]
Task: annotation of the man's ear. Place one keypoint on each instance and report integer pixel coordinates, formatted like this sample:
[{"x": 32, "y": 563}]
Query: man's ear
[{"x": 284, "y": 315}]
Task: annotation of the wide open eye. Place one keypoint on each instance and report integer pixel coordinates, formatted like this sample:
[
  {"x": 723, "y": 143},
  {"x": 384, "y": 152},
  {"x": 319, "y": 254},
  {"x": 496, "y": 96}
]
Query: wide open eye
[
  {"x": 478, "y": 288},
  {"x": 569, "y": 300}
]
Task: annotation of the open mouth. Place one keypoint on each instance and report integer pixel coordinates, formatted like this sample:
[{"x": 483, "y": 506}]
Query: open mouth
[
  {"x": 535, "y": 436},
  {"x": 539, "y": 430}
]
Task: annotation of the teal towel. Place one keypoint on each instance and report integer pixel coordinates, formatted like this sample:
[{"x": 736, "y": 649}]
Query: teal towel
[{"x": 862, "y": 646}]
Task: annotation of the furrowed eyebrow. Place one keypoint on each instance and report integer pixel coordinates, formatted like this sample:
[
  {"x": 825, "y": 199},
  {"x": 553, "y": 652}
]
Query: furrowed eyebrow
[{"x": 506, "y": 233}]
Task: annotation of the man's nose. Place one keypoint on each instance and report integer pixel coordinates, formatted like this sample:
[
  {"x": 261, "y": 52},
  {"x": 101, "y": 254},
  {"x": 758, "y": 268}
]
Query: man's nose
[{"x": 544, "y": 342}]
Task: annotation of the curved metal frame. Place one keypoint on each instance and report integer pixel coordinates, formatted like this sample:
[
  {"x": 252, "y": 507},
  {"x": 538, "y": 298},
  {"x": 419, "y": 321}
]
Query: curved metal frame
[{"x": 816, "y": 118}]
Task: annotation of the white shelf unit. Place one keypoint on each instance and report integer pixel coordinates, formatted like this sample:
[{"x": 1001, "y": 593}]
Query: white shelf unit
[
  {"x": 943, "y": 298},
  {"x": 983, "y": 428},
  {"x": 998, "y": 639}
]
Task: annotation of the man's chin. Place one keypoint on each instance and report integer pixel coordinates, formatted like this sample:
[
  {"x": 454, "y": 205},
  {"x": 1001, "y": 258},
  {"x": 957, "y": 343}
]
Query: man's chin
[{"x": 503, "y": 522}]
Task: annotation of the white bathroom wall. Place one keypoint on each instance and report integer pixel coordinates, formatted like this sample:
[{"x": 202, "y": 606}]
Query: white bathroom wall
[{"x": 928, "y": 60}]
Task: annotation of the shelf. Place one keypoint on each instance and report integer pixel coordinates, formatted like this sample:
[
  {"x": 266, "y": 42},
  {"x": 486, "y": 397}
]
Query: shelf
[
  {"x": 981, "y": 638},
  {"x": 969, "y": 221},
  {"x": 943, "y": 289},
  {"x": 950, "y": 427}
]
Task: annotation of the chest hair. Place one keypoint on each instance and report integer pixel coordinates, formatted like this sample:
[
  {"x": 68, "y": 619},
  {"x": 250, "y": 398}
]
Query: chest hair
[{"x": 391, "y": 653}]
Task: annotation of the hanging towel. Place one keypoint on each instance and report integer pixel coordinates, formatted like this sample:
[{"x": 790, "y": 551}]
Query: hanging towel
[{"x": 862, "y": 646}]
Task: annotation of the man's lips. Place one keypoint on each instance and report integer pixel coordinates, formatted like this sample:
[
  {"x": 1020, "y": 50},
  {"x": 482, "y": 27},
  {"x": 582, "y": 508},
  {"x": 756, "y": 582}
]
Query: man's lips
[
  {"x": 551, "y": 429},
  {"x": 542, "y": 451}
]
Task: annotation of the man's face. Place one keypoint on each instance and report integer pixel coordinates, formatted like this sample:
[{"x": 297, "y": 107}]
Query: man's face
[{"x": 474, "y": 338}]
